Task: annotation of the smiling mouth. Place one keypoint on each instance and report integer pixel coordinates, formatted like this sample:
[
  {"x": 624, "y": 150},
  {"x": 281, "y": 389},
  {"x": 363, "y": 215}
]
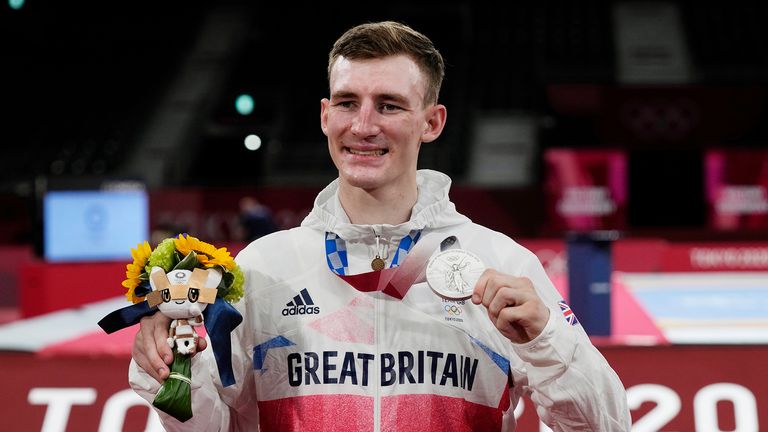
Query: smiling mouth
[
  {"x": 179, "y": 302},
  {"x": 375, "y": 152}
]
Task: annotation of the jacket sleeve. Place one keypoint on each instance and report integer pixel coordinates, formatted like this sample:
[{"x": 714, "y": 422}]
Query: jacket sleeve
[
  {"x": 214, "y": 408},
  {"x": 569, "y": 380}
]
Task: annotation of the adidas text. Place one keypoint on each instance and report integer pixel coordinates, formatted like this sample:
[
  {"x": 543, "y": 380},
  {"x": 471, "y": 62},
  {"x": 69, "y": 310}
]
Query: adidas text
[{"x": 301, "y": 310}]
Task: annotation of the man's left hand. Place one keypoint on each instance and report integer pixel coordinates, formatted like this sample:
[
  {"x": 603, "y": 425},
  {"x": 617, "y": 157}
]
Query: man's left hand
[{"x": 513, "y": 305}]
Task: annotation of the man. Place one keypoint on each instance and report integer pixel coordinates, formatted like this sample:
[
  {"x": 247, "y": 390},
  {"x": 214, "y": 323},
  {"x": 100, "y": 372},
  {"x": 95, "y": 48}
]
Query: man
[
  {"x": 255, "y": 218},
  {"x": 323, "y": 347}
]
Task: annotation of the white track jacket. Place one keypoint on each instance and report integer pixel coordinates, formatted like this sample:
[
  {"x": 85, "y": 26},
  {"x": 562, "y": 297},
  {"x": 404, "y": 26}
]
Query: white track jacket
[{"x": 313, "y": 353}]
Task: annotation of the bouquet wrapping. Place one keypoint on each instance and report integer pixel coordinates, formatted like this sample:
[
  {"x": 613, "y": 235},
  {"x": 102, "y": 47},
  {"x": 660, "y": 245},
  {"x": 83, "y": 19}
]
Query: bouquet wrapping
[{"x": 175, "y": 395}]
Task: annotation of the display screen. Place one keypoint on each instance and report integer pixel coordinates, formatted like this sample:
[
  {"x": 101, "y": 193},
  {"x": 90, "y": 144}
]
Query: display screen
[
  {"x": 737, "y": 189},
  {"x": 94, "y": 225},
  {"x": 586, "y": 189}
]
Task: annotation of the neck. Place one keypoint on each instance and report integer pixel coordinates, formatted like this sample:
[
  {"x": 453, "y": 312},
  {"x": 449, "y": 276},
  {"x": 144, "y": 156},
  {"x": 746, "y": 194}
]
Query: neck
[{"x": 374, "y": 207}]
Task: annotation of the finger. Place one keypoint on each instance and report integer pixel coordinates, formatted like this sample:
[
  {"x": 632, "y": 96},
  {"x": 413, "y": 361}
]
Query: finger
[
  {"x": 160, "y": 336},
  {"x": 523, "y": 322},
  {"x": 157, "y": 366},
  {"x": 485, "y": 287},
  {"x": 479, "y": 291},
  {"x": 144, "y": 360},
  {"x": 146, "y": 347},
  {"x": 513, "y": 291},
  {"x": 511, "y": 323},
  {"x": 505, "y": 296},
  {"x": 201, "y": 344},
  {"x": 138, "y": 354},
  {"x": 519, "y": 315},
  {"x": 497, "y": 281}
]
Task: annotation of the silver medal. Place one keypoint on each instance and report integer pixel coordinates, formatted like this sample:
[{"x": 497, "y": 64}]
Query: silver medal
[{"x": 453, "y": 273}]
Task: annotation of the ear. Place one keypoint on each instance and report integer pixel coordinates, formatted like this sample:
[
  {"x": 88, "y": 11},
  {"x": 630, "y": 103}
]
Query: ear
[
  {"x": 324, "y": 104},
  {"x": 435, "y": 117},
  {"x": 157, "y": 280},
  {"x": 213, "y": 279}
]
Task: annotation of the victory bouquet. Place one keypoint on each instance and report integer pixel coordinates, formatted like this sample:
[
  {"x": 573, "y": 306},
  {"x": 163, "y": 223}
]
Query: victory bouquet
[{"x": 193, "y": 283}]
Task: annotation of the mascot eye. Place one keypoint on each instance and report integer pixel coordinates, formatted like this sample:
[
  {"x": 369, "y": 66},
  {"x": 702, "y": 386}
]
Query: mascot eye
[
  {"x": 166, "y": 295},
  {"x": 193, "y": 294}
]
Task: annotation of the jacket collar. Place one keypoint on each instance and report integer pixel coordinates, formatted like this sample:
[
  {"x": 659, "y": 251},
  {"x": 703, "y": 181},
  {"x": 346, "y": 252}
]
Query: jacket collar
[{"x": 433, "y": 209}]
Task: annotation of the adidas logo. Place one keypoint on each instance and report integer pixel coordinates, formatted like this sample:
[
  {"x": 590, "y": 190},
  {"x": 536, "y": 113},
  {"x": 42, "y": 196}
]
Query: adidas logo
[{"x": 302, "y": 304}]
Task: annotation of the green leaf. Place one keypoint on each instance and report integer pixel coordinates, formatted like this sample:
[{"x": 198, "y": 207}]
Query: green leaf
[
  {"x": 228, "y": 278},
  {"x": 175, "y": 396},
  {"x": 226, "y": 282},
  {"x": 188, "y": 263}
]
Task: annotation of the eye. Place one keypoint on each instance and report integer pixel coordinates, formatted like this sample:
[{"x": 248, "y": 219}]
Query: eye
[
  {"x": 389, "y": 108},
  {"x": 194, "y": 293},
  {"x": 166, "y": 295},
  {"x": 344, "y": 104}
]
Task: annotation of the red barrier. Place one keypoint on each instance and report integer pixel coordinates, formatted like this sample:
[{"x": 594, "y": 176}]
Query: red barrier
[
  {"x": 50, "y": 287},
  {"x": 680, "y": 388}
]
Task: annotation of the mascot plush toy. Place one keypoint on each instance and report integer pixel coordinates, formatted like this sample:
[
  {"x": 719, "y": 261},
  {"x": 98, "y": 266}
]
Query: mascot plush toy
[{"x": 182, "y": 296}]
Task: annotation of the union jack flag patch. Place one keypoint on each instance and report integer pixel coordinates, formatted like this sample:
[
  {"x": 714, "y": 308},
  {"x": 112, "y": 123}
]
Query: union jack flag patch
[{"x": 568, "y": 313}]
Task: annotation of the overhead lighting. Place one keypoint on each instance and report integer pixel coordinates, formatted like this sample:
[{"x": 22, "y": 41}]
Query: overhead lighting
[
  {"x": 244, "y": 104},
  {"x": 252, "y": 142}
]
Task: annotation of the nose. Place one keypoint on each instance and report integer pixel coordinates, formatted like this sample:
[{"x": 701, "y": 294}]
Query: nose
[{"x": 365, "y": 122}]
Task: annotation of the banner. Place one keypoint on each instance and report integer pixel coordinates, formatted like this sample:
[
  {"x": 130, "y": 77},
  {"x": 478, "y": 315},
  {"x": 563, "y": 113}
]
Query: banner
[
  {"x": 586, "y": 189},
  {"x": 737, "y": 189}
]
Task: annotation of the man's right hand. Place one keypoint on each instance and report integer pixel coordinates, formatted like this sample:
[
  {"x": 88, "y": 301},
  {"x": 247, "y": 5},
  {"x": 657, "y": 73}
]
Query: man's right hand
[{"x": 150, "y": 348}]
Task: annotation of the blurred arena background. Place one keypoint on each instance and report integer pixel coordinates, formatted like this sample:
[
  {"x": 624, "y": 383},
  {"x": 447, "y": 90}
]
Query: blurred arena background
[{"x": 622, "y": 141}]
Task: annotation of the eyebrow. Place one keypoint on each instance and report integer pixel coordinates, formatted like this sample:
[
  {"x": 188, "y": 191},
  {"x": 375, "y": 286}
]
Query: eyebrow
[
  {"x": 343, "y": 95},
  {"x": 399, "y": 99}
]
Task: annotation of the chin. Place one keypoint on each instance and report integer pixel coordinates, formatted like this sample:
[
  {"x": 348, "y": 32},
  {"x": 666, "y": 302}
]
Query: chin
[
  {"x": 367, "y": 181},
  {"x": 363, "y": 183},
  {"x": 363, "y": 177}
]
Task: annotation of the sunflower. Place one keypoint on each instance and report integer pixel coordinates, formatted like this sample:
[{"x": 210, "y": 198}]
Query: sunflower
[
  {"x": 207, "y": 254},
  {"x": 134, "y": 270}
]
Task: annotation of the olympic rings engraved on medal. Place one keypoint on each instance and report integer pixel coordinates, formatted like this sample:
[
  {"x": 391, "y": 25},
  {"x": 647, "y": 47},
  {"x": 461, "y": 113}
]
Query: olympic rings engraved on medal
[{"x": 453, "y": 309}]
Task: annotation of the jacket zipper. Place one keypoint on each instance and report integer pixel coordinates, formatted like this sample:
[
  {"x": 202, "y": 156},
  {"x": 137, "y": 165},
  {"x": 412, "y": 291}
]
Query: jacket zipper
[
  {"x": 377, "y": 360},
  {"x": 377, "y": 367}
]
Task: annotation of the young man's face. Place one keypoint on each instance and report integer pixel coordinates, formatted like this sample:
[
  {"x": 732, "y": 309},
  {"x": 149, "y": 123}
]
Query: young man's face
[{"x": 376, "y": 120}]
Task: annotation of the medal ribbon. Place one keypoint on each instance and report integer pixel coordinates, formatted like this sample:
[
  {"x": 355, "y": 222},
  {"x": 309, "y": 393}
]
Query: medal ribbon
[
  {"x": 394, "y": 281},
  {"x": 336, "y": 251}
]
